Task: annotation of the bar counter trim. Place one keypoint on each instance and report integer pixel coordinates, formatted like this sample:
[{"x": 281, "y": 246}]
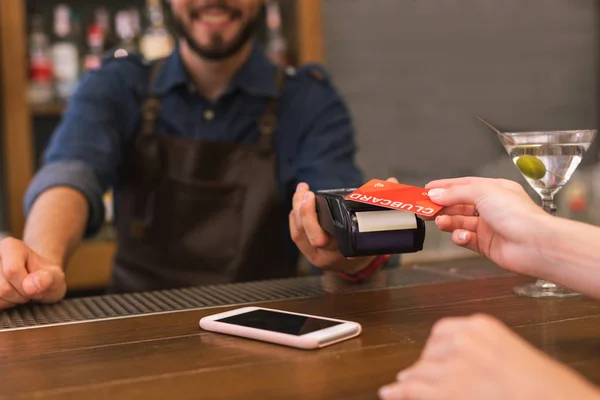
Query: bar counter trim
[{"x": 99, "y": 308}]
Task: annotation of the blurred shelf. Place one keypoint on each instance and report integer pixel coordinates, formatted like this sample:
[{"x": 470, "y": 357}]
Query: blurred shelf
[
  {"x": 47, "y": 110},
  {"x": 91, "y": 265}
]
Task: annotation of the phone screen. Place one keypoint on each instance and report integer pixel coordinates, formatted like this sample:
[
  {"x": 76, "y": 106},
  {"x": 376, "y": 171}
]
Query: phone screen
[{"x": 279, "y": 322}]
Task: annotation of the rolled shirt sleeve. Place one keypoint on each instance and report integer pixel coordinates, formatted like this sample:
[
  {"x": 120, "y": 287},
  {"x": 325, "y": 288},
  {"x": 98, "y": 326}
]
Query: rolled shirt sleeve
[
  {"x": 73, "y": 174},
  {"x": 327, "y": 147}
]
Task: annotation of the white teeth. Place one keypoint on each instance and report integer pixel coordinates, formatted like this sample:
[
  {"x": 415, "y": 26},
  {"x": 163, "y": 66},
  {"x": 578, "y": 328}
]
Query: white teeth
[{"x": 215, "y": 19}]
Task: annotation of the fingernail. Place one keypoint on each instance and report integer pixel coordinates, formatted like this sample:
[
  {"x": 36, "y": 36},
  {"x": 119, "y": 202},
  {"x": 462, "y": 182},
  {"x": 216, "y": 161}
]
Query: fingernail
[
  {"x": 437, "y": 219},
  {"x": 401, "y": 376},
  {"x": 436, "y": 192},
  {"x": 385, "y": 391},
  {"x": 36, "y": 281},
  {"x": 306, "y": 197},
  {"x": 462, "y": 236},
  {"x": 302, "y": 186}
]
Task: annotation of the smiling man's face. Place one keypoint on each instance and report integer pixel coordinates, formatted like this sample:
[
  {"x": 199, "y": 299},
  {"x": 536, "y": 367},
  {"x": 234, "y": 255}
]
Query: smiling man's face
[{"x": 216, "y": 29}]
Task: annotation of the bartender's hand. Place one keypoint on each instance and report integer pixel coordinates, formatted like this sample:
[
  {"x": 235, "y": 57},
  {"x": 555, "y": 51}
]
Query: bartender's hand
[
  {"x": 494, "y": 217},
  {"x": 319, "y": 248},
  {"x": 25, "y": 276},
  {"x": 478, "y": 357}
]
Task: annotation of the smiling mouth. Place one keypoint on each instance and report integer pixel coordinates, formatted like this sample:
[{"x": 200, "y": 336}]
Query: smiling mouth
[{"x": 215, "y": 15}]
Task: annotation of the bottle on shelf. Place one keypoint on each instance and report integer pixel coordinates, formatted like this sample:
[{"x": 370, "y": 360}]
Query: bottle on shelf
[
  {"x": 126, "y": 33},
  {"x": 102, "y": 19},
  {"x": 65, "y": 56},
  {"x": 107, "y": 232},
  {"x": 276, "y": 47},
  {"x": 156, "y": 41},
  {"x": 95, "y": 41},
  {"x": 136, "y": 22},
  {"x": 40, "y": 90},
  {"x": 77, "y": 31}
]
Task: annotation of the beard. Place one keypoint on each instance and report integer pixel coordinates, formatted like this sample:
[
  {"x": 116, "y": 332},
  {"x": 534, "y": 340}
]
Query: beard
[{"x": 218, "y": 49}]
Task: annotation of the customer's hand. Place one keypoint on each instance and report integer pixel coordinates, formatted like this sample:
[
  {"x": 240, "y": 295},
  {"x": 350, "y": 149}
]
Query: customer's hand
[
  {"x": 319, "y": 248},
  {"x": 477, "y": 358},
  {"x": 494, "y": 217},
  {"x": 25, "y": 276}
]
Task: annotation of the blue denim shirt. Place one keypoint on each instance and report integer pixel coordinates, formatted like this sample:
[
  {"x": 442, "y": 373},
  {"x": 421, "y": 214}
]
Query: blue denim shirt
[{"x": 314, "y": 139}]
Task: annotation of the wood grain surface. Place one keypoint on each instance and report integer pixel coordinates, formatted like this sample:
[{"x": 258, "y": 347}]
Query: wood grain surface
[{"x": 169, "y": 356}]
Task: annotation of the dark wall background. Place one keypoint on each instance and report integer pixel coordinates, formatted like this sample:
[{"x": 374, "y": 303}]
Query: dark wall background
[{"x": 416, "y": 73}]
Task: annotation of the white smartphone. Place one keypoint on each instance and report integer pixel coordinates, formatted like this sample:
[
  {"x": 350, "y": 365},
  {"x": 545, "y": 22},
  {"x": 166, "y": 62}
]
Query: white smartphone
[{"x": 281, "y": 327}]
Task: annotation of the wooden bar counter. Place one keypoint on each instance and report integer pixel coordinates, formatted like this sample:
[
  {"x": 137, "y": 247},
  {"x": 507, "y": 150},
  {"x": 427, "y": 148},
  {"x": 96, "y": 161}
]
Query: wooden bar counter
[{"x": 158, "y": 351}]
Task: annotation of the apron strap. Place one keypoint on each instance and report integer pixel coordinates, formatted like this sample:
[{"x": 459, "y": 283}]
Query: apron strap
[
  {"x": 151, "y": 105},
  {"x": 267, "y": 122},
  {"x": 146, "y": 160}
]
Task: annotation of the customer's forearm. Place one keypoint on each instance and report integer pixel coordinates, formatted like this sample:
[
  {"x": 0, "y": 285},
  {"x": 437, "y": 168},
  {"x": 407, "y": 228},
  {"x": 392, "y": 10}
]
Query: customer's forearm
[
  {"x": 570, "y": 255},
  {"x": 56, "y": 223}
]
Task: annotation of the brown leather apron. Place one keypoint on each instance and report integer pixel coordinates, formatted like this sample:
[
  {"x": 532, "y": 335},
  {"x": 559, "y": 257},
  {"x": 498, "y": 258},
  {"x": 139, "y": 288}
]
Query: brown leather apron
[{"x": 193, "y": 212}]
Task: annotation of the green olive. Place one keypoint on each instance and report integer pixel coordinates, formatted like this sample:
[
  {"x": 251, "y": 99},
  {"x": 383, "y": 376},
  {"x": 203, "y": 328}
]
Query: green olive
[{"x": 531, "y": 166}]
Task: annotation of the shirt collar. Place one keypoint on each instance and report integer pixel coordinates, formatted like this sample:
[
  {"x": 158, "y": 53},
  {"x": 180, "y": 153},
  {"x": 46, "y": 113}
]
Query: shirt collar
[
  {"x": 172, "y": 74},
  {"x": 256, "y": 77}
]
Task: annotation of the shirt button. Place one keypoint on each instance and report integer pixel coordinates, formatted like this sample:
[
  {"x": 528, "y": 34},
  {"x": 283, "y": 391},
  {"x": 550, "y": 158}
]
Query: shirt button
[{"x": 208, "y": 114}]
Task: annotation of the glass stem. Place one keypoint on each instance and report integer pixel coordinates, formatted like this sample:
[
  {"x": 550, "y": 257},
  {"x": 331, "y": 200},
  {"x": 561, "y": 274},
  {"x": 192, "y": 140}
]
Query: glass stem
[
  {"x": 550, "y": 208},
  {"x": 548, "y": 205}
]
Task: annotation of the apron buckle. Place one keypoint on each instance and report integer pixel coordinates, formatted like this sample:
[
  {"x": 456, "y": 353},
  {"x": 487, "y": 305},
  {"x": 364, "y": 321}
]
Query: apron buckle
[{"x": 267, "y": 125}]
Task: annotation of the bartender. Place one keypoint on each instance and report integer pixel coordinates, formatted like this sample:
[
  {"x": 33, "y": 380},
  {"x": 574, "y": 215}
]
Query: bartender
[{"x": 212, "y": 153}]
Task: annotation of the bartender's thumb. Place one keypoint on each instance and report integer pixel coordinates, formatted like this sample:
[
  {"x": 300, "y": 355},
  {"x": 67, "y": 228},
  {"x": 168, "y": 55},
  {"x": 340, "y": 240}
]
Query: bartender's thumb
[
  {"x": 392, "y": 179},
  {"x": 45, "y": 285}
]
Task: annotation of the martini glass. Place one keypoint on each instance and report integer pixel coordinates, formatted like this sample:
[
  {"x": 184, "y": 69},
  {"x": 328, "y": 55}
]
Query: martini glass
[{"x": 547, "y": 160}]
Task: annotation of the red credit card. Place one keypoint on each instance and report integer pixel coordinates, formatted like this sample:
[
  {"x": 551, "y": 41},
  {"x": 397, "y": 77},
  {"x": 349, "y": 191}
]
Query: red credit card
[{"x": 395, "y": 196}]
